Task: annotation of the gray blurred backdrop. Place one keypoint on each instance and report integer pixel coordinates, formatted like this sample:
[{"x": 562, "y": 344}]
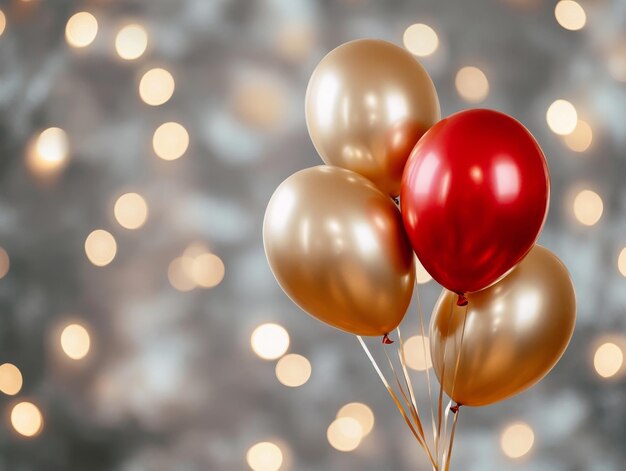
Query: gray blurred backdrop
[{"x": 171, "y": 381}]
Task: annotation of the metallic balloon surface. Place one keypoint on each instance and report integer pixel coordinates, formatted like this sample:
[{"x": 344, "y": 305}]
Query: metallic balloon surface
[
  {"x": 475, "y": 195},
  {"x": 368, "y": 102},
  {"x": 337, "y": 247},
  {"x": 515, "y": 332}
]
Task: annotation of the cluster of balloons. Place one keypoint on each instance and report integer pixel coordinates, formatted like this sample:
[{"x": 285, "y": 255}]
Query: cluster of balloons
[{"x": 473, "y": 189}]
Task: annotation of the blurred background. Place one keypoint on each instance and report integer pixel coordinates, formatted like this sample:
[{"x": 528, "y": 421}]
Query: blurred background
[{"x": 140, "y": 141}]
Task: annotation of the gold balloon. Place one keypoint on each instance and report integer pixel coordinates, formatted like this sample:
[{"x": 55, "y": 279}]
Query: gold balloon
[
  {"x": 367, "y": 104},
  {"x": 337, "y": 247},
  {"x": 515, "y": 331}
]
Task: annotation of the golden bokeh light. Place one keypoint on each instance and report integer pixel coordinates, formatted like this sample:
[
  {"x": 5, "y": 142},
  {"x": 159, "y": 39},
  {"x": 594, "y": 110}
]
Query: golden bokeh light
[
  {"x": 49, "y": 152},
  {"x": 421, "y": 275},
  {"x": 81, "y": 29},
  {"x": 170, "y": 141},
  {"x": 265, "y": 456},
  {"x": 156, "y": 86},
  {"x": 562, "y": 117},
  {"x": 270, "y": 341},
  {"x": 420, "y": 39},
  {"x": 580, "y": 139},
  {"x": 178, "y": 276},
  {"x": 100, "y": 247},
  {"x": 517, "y": 440},
  {"x": 293, "y": 370},
  {"x": 131, "y": 41},
  {"x": 195, "y": 249},
  {"x": 3, "y": 22},
  {"x": 588, "y": 207},
  {"x": 10, "y": 379},
  {"x": 345, "y": 434},
  {"x": 472, "y": 84},
  {"x": 5, "y": 263},
  {"x": 191, "y": 252},
  {"x": 207, "y": 270},
  {"x": 621, "y": 262},
  {"x": 414, "y": 353},
  {"x": 75, "y": 341},
  {"x": 570, "y": 15},
  {"x": 131, "y": 210},
  {"x": 361, "y": 413},
  {"x": 52, "y": 145},
  {"x": 608, "y": 360},
  {"x": 26, "y": 419}
]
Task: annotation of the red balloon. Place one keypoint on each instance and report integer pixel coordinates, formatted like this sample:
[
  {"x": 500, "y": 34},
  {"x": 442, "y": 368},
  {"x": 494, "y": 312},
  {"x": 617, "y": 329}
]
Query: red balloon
[{"x": 474, "y": 197}]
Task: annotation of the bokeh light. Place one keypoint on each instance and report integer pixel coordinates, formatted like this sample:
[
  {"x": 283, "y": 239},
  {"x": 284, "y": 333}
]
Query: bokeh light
[
  {"x": 131, "y": 210},
  {"x": 420, "y": 39},
  {"x": 621, "y": 262},
  {"x": 207, "y": 270},
  {"x": 26, "y": 419},
  {"x": 361, "y": 413},
  {"x": 179, "y": 277},
  {"x": 265, "y": 456},
  {"x": 293, "y": 370},
  {"x": 52, "y": 145},
  {"x": 472, "y": 84},
  {"x": 156, "y": 86},
  {"x": 81, "y": 29},
  {"x": 75, "y": 341},
  {"x": 49, "y": 152},
  {"x": 562, "y": 117},
  {"x": 608, "y": 360},
  {"x": 100, "y": 247},
  {"x": 588, "y": 207},
  {"x": 570, "y": 15},
  {"x": 414, "y": 353},
  {"x": 3, "y": 22},
  {"x": 345, "y": 434},
  {"x": 5, "y": 263},
  {"x": 10, "y": 379},
  {"x": 270, "y": 341},
  {"x": 517, "y": 440},
  {"x": 131, "y": 41},
  {"x": 170, "y": 141},
  {"x": 580, "y": 139},
  {"x": 191, "y": 252}
]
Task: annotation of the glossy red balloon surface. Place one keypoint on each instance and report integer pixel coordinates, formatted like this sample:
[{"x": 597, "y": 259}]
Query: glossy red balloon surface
[{"x": 474, "y": 197}]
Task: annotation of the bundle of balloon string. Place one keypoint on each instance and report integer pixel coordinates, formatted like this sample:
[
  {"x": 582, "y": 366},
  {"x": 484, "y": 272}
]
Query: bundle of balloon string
[{"x": 467, "y": 195}]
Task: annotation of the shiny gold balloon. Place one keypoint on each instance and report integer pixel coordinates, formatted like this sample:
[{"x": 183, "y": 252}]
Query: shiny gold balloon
[
  {"x": 337, "y": 247},
  {"x": 367, "y": 104},
  {"x": 515, "y": 331}
]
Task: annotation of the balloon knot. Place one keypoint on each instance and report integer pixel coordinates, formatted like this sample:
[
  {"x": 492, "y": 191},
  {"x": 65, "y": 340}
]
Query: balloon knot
[
  {"x": 455, "y": 408},
  {"x": 387, "y": 340},
  {"x": 461, "y": 300}
]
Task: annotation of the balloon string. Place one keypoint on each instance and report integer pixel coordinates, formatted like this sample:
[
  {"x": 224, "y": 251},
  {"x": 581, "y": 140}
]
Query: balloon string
[
  {"x": 456, "y": 408},
  {"x": 412, "y": 409},
  {"x": 444, "y": 439},
  {"x": 407, "y": 378},
  {"x": 458, "y": 356},
  {"x": 426, "y": 356},
  {"x": 396, "y": 401},
  {"x": 452, "y": 433},
  {"x": 441, "y": 383}
]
